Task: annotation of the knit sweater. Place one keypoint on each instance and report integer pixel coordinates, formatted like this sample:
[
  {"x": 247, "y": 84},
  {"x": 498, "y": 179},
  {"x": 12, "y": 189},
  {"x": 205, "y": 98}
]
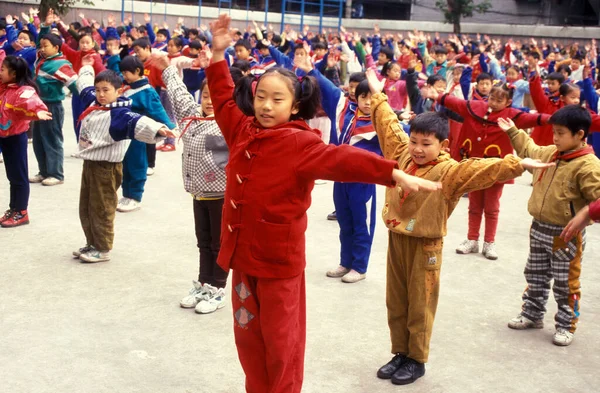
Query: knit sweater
[
  {"x": 104, "y": 130},
  {"x": 559, "y": 192},
  {"x": 425, "y": 214}
]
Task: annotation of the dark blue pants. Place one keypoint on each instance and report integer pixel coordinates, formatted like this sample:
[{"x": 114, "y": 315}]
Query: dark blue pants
[
  {"x": 77, "y": 109},
  {"x": 14, "y": 149},
  {"x": 357, "y": 226},
  {"x": 48, "y": 142},
  {"x": 594, "y": 140},
  {"x": 135, "y": 165}
]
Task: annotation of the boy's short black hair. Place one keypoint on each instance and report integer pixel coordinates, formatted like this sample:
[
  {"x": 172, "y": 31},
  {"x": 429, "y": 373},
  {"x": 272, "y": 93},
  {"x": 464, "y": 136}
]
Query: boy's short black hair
[
  {"x": 556, "y": 76},
  {"x": 573, "y": 117},
  {"x": 85, "y": 30},
  {"x": 440, "y": 50},
  {"x": 388, "y": 52},
  {"x": 484, "y": 77},
  {"x": 435, "y": 78},
  {"x": 276, "y": 40},
  {"x": 534, "y": 54},
  {"x": 357, "y": 77},
  {"x": 565, "y": 68},
  {"x": 245, "y": 43},
  {"x": 53, "y": 39},
  {"x": 164, "y": 32},
  {"x": 141, "y": 29},
  {"x": 429, "y": 123},
  {"x": 242, "y": 65},
  {"x": 143, "y": 43},
  {"x": 193, "y": 31},
  {"x": 577, "y": 57},
  {"x": 260, "y": 45},
  {"x": 319, "y": 45},
  {"x": 362, "y": 89},
  {"x": 131, "y": 64},
  {"x": 195, "y": 45},
  {"x": 28, "y": 33},
  {"x": 76, "y": 25},
  {"x": 109, "y": 76}
]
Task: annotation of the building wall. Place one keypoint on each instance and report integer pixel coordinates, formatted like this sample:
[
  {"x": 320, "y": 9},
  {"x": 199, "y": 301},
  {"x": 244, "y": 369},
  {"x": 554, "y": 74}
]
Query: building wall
[{"x": 503, "y": 11}]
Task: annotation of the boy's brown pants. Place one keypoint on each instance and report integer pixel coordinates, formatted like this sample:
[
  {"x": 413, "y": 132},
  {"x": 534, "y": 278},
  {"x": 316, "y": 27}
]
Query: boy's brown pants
[
  {"x": 413, "y": 285},
  {"x": 100, "y": 181}
]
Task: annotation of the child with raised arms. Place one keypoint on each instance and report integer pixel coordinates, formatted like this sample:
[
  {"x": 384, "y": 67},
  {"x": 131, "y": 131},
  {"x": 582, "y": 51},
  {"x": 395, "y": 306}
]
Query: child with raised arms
[{"x": 274, "y": 161}]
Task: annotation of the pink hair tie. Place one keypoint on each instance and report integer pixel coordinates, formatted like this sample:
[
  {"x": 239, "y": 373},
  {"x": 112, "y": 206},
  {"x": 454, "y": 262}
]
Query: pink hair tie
[{"x": 254, "y": 83}]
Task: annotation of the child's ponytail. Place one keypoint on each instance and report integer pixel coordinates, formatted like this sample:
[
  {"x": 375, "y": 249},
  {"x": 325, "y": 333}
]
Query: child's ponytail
[
  {"x": 243, "y": 95},
  {"x": 23, "y": 75},
  {"x": 308, "y": 98}
]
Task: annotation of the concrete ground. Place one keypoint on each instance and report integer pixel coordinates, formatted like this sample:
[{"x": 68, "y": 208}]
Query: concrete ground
[{"x": 117, "y": 326}]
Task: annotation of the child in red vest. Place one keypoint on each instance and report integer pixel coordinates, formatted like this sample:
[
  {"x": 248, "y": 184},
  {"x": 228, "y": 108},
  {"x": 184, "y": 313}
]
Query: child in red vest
[
  {"x": 481, "y": 137},
  {"x": 264, "y": 215}
]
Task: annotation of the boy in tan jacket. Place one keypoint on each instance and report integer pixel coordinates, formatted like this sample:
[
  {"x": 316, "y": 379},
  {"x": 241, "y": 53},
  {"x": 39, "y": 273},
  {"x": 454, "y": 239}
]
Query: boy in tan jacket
[
  {"x": 417, "y": 224},
  {"x": 558, "y": 194}
]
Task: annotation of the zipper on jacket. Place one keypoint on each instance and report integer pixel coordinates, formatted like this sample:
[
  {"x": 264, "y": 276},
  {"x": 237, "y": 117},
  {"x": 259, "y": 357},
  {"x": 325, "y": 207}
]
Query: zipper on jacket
[{"x": 546, "y": 193}]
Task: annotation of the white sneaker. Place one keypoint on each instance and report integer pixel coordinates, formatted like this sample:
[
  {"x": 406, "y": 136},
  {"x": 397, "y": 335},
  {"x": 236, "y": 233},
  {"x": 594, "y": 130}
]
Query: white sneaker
[
  {"x": 338, "y": 272},
  {"x": 489, "y": 251},
  {"x": 213, "y": 300},
  {"x": 36, "y": 179},
  {"x": 51, "y": 181},
  {"x": 83, "y": 250},
  {"x": 194, "y": 295},
  {"x": 94, "y": 256},
  {"x": 468, "y": 247},
  {"x": 562, "y": 337},
  {"x": 353, "y": 276},
  {"x": 150, "y": 171},
  {"x": 129, "y": 205},
  {"x": 521, "y": 323}
]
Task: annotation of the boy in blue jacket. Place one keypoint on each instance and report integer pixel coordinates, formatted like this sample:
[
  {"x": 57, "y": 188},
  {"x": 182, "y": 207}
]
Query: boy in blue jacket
[
  {"x": 352, "y": 122},
  {"x": 145, "y": 101}
]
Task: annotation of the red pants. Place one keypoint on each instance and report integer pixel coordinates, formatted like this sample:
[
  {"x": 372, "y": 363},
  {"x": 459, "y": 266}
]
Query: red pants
[
  {"x": 487, "y": 201},
  {"x": 453, "y": 137},
  {"x": 270, "y": 331}
]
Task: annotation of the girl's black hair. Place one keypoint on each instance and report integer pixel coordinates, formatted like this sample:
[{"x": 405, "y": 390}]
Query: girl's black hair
[
  {"x": 23, "y": 75},
  {"x": 131, "y": 64},
  {"x": 203, "y": 85},
  {"x": 307, "y": 95},
  {"x": 516, "y": 68},
  {"x": 357, "y": 77},
  {"x": 53, "y": 39},
  {"x": 387, "y": 67},
  {"x": 177, "y": 41},
  {"x": 242, "y": 65},
  {"x": 388, "y": 52},
  {"x": 504, "y": 90},
  {"x": 362, "y": 89},
  {"x": 564, "y": 68},
  {"x": 85, "y": 30},
  {"x": 566, "y": 88},
  {"x": 236, "y": 74}
]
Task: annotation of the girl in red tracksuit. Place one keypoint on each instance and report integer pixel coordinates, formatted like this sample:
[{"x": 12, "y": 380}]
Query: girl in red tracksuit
[
  {"x": 569, "y": 95},
  {"x": 481, "y": 137},
  {"x": 19, "y": 105},
  {"x": 274, "y": 160}
]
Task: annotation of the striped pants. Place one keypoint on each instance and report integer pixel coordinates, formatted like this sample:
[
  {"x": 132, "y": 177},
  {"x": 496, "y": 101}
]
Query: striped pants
[{"x": 551, "y": 258}]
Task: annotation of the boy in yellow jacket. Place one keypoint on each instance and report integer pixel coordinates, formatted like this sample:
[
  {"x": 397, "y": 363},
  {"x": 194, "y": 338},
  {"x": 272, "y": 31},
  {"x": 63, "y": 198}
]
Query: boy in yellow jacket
[
  {"x": 558, "y": 194},
  {"x": 417, "y": 224}
]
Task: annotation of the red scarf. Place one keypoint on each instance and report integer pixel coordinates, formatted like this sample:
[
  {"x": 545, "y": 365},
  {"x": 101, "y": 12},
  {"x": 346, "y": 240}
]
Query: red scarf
[
  {"x": 191, "y": 119},
  {"x": 89, "y": 110},
  {"x": 412, "y": 170},
  {"x": 557, "y": 156}
]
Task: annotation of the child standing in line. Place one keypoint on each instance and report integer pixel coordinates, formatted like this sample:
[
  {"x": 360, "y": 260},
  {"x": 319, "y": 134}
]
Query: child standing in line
[
  {"x": 146, "y": 102},
  {"x": 19, "y": 105},
  {"x": 481, "y": 137},
  {"x": 264, "y": 214},
  {"x": 417, "y": 225},
  {"x": 105, "y": 125},
  {"x": 53, "y": 73},
  {"x": 558, "y": 194}
]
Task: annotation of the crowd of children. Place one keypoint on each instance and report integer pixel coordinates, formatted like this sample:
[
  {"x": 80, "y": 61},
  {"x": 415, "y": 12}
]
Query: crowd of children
[{"x": 440, "y": 118}]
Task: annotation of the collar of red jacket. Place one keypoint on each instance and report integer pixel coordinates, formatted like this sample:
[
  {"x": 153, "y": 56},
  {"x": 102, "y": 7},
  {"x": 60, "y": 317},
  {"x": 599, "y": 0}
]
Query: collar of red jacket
[{"x": 294, "y": 125}]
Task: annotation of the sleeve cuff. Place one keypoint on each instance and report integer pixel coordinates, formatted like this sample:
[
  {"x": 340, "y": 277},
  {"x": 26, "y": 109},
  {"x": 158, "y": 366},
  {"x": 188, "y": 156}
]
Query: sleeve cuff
[{"x": 146, "y": 130}]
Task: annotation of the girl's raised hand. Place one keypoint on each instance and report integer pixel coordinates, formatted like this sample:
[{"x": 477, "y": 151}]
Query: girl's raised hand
[
  {"x": 49, "y": 17},
  {"x": 375, "y": 85},
  {"x": 530, "y": 163},
  {"x": 160, "y": 61},
  {"x": 220, "y": 32},
  {"x": 413, "y": 183},
  {"x": 87, "y": 60},
  {"x": 303, "y": 62},
  {"x": 505, "y": 124},
  {"x": 44, "y": 115}
]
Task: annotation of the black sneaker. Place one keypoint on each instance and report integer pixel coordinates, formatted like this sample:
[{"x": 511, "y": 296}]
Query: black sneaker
[
  {"x": 332, "y": 217},
  {"x": 409, "y": 372},
  {"x": 386, "y": 371}
]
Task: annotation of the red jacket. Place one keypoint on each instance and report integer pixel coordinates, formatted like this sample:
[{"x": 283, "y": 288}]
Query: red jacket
[
  {"x": 19, "y": 105},
  {"x": 153, "y": 74},
  {"x": 270, "y": 176},
  {"x": 480, "y": 136},
  {"x": 543, "y": 135},
  {"x": 595, "y": 210},
  {"x": 75, "y": 56}
]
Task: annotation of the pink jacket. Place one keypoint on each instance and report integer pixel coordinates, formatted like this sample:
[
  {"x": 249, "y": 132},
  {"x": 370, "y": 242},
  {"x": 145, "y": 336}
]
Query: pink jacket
[{"x": 19, "y": 105}]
